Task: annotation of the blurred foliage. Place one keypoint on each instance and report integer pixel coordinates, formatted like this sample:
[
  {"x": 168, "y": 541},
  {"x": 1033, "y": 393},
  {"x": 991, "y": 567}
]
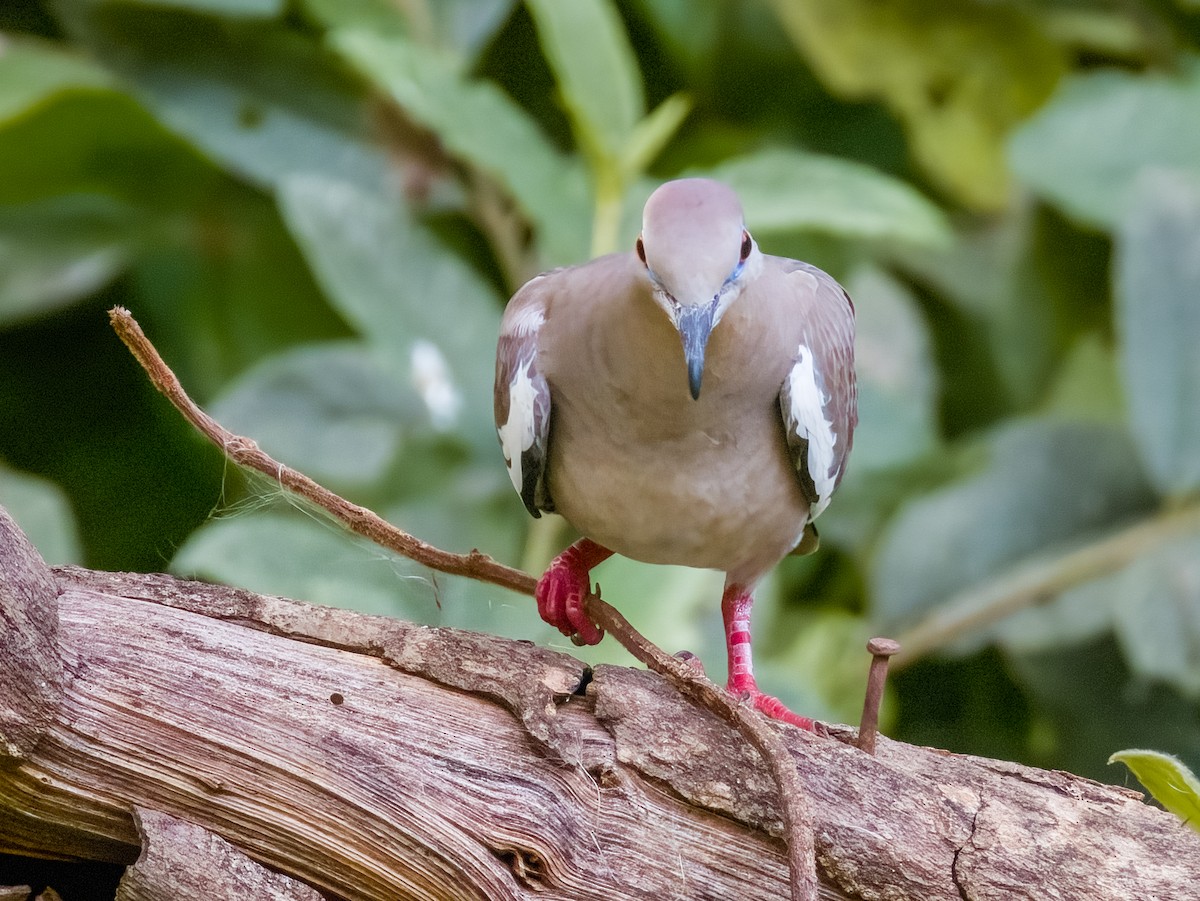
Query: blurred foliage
[{"x": 317, "y": 208}]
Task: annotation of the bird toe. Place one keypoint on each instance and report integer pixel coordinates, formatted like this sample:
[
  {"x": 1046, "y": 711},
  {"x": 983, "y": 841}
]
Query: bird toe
[
  {"x": 561, "y": 594},
  {"x": 776, "y": 710}
]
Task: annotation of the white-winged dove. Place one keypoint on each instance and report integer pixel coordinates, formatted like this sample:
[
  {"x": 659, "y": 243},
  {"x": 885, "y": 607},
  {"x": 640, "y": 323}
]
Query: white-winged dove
[{"x": 602, "y": 417}]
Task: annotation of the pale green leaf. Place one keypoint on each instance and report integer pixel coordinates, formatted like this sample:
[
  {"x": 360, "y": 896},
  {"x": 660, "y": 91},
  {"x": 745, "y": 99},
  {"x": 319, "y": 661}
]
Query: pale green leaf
[
  {"x": 335, "y": 411},
  {"x": 1087, "y": 384},
  {"x": 653, "y": 132},
  {"x": 586, "y": 46},
  {"x": 462, "y": 27},
  {"x": 1158, "y": 317},
  {"x": 32, "y": 71},
  {"x": 481, "y": 125},
  {"x": 1080, "y": 614},
  {"x": 959, "y": 76},
  {"x": 1168, "y": 779},
  {"x": 59, "y": 250},
  {"x": 1085, "y": 148},
  {"x": 312, "y": 559},
  {"x": 990, "y": 273},
  {"x": 44, "y": 514},
  {"x": 265, "y": 102},
  {"x": 897, "y": 378},
  {"x": 307, "y": 559},
  {"x": 1158, "y": 614},
  {"x": 418, "y": 303},
  {"x": 256, "y": 9},
  {"x": 788, "y": 190},
  {"x": 1048, "y": 484}
]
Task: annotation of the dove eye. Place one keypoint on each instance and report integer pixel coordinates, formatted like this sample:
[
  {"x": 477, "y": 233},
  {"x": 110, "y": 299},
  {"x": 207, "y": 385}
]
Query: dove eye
[
  {"x": 641, "y": 251},
  {"x": 747, "y": 246}
]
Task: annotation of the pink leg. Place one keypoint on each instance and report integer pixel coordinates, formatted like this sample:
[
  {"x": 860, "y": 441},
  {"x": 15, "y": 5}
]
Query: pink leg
[
  {"x": 564, "y": 586},
  {"x": 735, "y": 609}
]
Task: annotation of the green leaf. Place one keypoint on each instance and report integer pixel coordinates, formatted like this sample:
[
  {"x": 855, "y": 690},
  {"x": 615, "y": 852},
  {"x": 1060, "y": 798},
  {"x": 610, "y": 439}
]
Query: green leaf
[
  {"x": 991, "y": 274},
  {"x": 407, "y": 295},
  {"x": 1087, "y": 385},
  {"x": 1171, "y": 783},
  {"x": 335, "y": 411},
  {"x": 1087, "y": 702},
  {"x": 959, "y": 76},
  {"x": 1158, "y": 316},
  {"x": 586, "y": 46},
  {"x": 789, "y": 190},
  {"x": 56, "y": 148},
  {"x": 307, "y": 559},
  {"x": 59, "y": 250},
  {"x": 314, "y": 560},
  {"x": 1047, "y": 484},
  {"x": 652, "y": 133},
  {"x": 897, "y": 379},
  {"x": 820, "y": 675},
  {"x": 481, "y": 125},
  {"x": 1084, "y": 150},
  {"x": 264, "y": 102},
  {"x": 1149, "y": 604},
  {"x": 1158, "y": 614},
  {"x": 33, "y": 71},
  {"x": 1080, "y": 614},
  {"x": 42, "y": 511},
  {"x": 226, "y": 288},
  {"x": 258, "y": 9},
  {"x": 462, "y": 27}
]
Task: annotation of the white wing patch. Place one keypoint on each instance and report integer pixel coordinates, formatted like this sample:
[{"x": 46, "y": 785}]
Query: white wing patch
[
  {"x": 517, "y": 434},
  {"x": 807, "y": 413}
]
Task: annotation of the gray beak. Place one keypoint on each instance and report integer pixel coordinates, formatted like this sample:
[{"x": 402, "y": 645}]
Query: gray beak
[{"x": 695, "y": 323}]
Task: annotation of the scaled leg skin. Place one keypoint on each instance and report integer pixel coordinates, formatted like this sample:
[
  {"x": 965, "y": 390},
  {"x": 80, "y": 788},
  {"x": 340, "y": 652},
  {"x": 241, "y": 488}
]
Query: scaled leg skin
[
  {"x": 735, "y": 609},
  {"x": 564, "y": 586}
]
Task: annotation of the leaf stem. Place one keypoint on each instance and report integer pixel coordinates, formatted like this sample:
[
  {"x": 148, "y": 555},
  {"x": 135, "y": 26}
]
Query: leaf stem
[{"x": 1040, "y": 580}]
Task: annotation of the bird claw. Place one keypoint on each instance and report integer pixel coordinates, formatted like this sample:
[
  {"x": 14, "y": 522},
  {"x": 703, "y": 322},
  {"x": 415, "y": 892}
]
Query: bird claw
[
  {"x": 694, "y": 663},
  {"x": 745, "y": 689},
  {"x": 562, "y": 596}
]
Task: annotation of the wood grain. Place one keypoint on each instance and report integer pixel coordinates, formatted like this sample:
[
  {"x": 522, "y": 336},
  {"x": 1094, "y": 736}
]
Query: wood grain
[{"x": 375, "y": 759}]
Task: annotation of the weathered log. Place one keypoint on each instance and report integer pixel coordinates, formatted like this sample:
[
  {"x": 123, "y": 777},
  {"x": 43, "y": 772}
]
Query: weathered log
[
  {"x": 376, "y": 759},
  {"x": 182, "y": 860}
]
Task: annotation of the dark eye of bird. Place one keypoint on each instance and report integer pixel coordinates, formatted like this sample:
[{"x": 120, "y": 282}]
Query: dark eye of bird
[
  {"x": 641, "y": 251},
  {"x": 747, "y": 246}
]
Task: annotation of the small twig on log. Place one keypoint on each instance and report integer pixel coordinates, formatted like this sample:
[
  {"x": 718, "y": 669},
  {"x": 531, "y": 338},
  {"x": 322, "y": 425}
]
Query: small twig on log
[{"x": 793, "y": 803}]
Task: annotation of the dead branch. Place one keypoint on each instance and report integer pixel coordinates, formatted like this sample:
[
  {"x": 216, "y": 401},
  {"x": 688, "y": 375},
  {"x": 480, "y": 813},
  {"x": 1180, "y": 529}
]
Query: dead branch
[
  {"x": 476, "y": 565},
  {"x": 375, "y": 759}
]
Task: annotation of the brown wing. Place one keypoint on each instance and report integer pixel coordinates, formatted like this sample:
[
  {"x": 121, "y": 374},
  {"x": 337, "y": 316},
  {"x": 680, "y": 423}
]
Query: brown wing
[
  {"x": 819, "y": 397},
  {"x": 522, "y": 397}
]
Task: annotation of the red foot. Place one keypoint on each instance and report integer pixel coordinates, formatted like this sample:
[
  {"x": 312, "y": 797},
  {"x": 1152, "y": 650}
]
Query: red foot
[
  {"x": 735, "y": 608},
  {"x": 564, "y": 586},
  {"x": 774, "y": 708}
]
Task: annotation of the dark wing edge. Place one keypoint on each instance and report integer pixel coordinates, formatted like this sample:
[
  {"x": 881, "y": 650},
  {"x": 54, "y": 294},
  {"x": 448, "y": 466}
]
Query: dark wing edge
[
  {"x": 819, "y": 396},
  {"x": 522, "y": 401}
]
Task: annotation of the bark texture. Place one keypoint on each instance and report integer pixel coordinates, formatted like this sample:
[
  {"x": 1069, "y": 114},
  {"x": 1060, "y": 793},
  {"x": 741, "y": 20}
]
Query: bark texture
[{"x": 213, "y": 729}]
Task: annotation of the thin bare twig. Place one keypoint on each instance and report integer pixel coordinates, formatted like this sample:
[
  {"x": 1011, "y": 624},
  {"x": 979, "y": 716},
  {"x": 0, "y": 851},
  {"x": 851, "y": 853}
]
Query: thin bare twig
[
  {"x": 360, "y": 520},
  {"x": 797, "y": 818}
]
